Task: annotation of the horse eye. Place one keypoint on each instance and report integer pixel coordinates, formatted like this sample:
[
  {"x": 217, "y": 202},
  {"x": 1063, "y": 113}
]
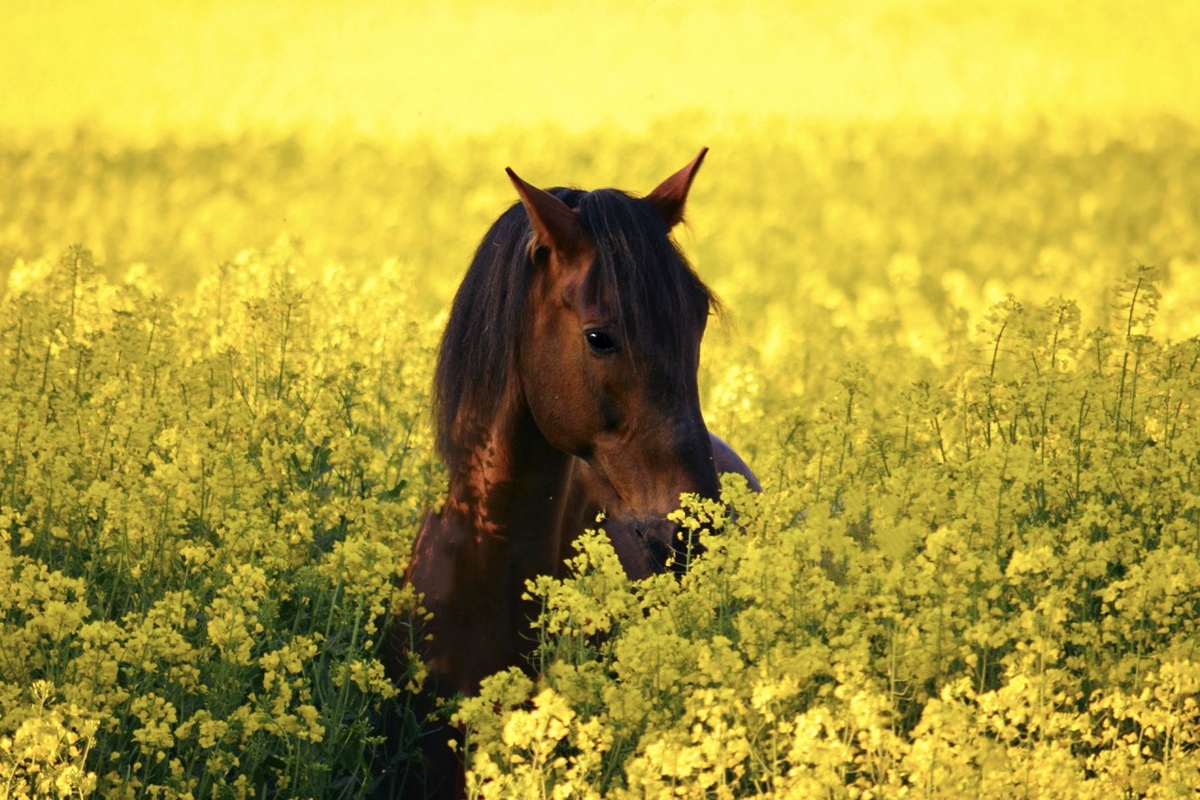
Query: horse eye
[{"x": 600, "y": 343}]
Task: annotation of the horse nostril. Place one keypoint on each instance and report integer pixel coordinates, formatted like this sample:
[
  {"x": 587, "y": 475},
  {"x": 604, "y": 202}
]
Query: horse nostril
[{"x": 660, "y": 552}]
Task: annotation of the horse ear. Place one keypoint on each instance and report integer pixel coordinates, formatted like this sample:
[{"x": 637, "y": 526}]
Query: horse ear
[
  {"x": 671, "y": 195},
  {"x": 554, "y": 224}
]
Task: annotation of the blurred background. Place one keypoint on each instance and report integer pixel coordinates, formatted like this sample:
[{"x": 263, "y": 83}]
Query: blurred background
[
  {"x": 897, "y": 165},
  {"x": 203, "y": 68}
]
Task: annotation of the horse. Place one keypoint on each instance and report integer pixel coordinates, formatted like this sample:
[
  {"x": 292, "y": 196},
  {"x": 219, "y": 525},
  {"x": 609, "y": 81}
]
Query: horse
[{"x": 565, "y": 387}]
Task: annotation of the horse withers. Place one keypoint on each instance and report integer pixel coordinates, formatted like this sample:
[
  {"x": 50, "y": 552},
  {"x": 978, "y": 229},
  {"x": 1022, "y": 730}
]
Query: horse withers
[{"x": 565, "y": 387}]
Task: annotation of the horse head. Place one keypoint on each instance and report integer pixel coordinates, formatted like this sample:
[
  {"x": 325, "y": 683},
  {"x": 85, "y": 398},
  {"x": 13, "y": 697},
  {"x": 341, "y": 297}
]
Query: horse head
[{"x": 609, "y": 352}]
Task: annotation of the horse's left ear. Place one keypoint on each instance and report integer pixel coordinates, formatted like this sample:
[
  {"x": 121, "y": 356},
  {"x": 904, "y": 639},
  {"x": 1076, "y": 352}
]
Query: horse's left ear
[{"x": 671, "y": 195}]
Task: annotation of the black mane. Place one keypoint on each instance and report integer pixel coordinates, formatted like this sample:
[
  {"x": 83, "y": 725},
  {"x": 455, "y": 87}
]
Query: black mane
[{"x": 660, "y": 296}]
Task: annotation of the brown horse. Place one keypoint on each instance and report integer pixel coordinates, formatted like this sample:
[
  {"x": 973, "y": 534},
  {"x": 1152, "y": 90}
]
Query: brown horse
[{"x": 565, "y": 387}]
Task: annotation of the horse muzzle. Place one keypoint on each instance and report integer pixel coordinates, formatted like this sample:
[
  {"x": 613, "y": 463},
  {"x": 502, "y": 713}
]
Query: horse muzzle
[{"x": 649, "y": 546}]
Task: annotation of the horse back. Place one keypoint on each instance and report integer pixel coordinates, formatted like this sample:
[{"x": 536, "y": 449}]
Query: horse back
[{"x": 726, "y": 459}]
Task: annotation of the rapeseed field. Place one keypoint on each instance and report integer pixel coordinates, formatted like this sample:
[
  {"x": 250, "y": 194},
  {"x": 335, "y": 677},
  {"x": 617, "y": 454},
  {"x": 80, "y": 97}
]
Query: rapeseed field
[{"x": 962, "y": 358}]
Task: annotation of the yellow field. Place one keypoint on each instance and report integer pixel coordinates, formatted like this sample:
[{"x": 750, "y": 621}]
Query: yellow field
[
  {"x": 960, "y": 250},
  {"x": 203, "y": 68}
]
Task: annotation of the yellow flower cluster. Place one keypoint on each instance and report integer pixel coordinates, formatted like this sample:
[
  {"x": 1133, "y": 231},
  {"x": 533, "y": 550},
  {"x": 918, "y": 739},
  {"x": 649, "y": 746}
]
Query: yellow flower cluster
[
  {"x": 46, "y": 756},
  {"x": 201, "y": 524}
]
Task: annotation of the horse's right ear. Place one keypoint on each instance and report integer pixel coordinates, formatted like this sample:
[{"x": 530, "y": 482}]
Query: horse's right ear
[{"x": 555, "y": 225}]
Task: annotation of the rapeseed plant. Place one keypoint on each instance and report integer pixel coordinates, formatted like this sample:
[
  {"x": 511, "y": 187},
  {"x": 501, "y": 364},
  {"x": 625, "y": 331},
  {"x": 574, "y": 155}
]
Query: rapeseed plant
[
  {"x": 974, "y": 569},
  {"x": 186, "y": 538}
]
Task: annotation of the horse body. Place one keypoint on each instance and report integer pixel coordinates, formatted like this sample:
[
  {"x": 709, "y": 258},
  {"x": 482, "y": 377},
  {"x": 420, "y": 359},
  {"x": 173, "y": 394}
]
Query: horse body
[{"x": 566, "y": 386}]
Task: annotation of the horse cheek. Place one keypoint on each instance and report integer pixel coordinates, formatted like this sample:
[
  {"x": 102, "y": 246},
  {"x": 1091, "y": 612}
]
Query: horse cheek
[{"x": 555, "y": 396}]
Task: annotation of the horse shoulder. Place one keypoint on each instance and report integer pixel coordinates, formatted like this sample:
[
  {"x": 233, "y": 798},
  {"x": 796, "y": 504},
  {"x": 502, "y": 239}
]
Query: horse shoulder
[
  {"x": 466, "y": 635},
  {"x": 432, "y": 570},
  {"x": 726, "y": 459}
]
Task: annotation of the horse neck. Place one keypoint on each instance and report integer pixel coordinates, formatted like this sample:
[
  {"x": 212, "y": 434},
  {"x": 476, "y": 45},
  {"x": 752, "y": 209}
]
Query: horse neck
[{"x": 508, "y": 482}]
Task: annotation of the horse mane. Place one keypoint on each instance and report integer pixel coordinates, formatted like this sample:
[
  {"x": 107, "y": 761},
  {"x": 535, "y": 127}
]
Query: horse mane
[{"x": 659, "y": 294}]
